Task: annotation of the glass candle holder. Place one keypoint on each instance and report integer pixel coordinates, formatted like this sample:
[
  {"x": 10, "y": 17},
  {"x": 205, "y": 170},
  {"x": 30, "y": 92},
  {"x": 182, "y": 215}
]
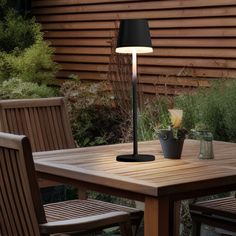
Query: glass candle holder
[{"x": 206, "y": 145}]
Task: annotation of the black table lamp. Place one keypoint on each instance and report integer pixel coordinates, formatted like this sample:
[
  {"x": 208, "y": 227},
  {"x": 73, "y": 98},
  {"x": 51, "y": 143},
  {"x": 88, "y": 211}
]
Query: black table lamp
[{"x": 134, "y": 37}]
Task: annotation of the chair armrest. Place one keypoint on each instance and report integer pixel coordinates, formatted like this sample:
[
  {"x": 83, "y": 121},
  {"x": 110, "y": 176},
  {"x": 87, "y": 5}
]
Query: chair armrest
[{"x": 84, "y": 223}]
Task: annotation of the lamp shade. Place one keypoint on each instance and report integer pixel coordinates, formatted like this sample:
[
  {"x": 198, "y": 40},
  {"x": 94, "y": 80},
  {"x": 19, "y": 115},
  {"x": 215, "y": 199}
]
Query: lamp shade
[{"x": 133, "y": 36}]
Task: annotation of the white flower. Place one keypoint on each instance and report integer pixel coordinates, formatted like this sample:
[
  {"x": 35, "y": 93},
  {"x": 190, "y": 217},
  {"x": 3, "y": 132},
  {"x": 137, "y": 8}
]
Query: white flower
[{"x": 176, "y": 117}]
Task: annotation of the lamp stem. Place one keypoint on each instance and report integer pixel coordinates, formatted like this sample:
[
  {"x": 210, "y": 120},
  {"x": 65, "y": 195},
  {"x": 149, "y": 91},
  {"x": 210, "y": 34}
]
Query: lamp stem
[{"x": 135, "y": 103}]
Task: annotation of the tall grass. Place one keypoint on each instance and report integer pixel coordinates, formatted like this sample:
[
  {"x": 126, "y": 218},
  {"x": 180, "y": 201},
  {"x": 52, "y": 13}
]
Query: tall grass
[{"x": 214, "y": 107}]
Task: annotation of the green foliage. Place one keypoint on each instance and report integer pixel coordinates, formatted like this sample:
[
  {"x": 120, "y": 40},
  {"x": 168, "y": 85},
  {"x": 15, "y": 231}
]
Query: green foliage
[
  {"x": 185, "y": 220},
  {"x": 187, "y": 104},
  {"x": 2, "y": 7},
  {"x": 96, "y": 125},
  {"x": 214, "y": 108},
  {"x": 229, "y": 107},
  {"x": 34, "y": 64},
  {"x": 110, "y": 198},
  {"x": 154, "y": 113},
  {"x": 3, "y": 3},
  {"x": 23, "y": 53},
  {"x": 16, "y": 89},
  {"x": 17, "y": 33},
  {"x": 94, "y": 119}
]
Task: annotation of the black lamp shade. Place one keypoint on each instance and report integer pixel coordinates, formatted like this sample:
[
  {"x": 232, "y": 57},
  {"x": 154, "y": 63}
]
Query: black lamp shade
[{"x": 133, "y": 36}]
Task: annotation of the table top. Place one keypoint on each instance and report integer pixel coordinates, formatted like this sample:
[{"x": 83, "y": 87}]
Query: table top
[{"x": 161, "y": 177}]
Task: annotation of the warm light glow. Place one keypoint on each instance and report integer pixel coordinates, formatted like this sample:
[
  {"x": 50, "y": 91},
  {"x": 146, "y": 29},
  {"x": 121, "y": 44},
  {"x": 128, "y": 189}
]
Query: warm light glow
[
  {"x": 134, "y": 64},
  {"x": 129, "y": 50}
]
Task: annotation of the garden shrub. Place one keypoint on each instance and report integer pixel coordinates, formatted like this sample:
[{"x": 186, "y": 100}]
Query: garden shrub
[
  {"x": 95, "y": 119},
  {"x": 229, "y": 107},
  {"x": 16, "y": 89},
  {"x": 214, "y": 107},
  {"x": 23, "y": 52},
  {"x": 17, "y": 32},
  {"x": 34, "y": 64}
]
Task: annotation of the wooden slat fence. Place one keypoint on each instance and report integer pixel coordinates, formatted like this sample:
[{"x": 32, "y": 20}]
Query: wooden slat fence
[{"x": 194, "y": 40}]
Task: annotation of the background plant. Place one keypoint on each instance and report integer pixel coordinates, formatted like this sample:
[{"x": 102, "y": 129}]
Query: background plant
[
  {"x": 23, "y": 52},
  {"x": 94, "y": 117},
  {"x": 214, "y": 107},
  {"x": 17, "y": 89},
  {"x": 153, "y": 112}
]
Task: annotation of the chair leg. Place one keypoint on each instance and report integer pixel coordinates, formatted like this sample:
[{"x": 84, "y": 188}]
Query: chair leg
[
  {"x": 196, "y": 228},
  {"x": 136, "y": 225},
  {"x": 126, "y": 229}
]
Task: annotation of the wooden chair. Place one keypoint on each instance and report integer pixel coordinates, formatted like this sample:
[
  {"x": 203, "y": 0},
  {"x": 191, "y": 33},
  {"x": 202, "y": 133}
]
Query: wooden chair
[
  {"x": 21, "y": 210},
  {"x": 44, "y": 121},
  {"x": 220, "y": 213}
]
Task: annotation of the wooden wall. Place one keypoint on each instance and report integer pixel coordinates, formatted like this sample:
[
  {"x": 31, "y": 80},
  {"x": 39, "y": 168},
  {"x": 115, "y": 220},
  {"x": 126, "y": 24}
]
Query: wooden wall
[{"x": 194, "y": 40}]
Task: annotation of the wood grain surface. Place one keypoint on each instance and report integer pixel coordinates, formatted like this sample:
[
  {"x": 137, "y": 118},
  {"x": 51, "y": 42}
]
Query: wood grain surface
[{"x": 161, "y": 177}]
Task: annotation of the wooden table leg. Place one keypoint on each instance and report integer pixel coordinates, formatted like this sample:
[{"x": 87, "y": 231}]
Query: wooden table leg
[
  {"x": 157, "y": 217},
  {"x": 82, "y": 193}
]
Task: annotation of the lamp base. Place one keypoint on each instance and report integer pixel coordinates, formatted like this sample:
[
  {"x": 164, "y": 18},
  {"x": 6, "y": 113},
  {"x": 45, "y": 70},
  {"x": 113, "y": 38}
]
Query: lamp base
[{"x": 135, "y": 158}]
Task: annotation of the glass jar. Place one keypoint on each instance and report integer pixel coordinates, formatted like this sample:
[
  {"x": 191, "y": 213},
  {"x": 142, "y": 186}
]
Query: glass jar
[{"x": 206, "y": 145}]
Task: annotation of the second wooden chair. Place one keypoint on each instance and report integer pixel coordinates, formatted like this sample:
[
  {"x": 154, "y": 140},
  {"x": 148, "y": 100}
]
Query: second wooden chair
[
  {"x": 220, "y": 213},
  {"x": 22, "y": 212}
]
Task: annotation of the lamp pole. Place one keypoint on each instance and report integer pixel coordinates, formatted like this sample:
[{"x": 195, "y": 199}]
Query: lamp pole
[{"x": 135, "y": 103}]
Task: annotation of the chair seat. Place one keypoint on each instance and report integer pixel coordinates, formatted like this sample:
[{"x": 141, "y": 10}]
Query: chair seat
[
  {"x": 82, "y": 208},
  {"x": 220, "y": 213},
  {"x": 222, "y": 207}
]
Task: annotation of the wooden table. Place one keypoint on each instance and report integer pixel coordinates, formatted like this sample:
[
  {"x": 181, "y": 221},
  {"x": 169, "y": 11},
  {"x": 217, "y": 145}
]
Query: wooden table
[{"x": 159, "y": 184}]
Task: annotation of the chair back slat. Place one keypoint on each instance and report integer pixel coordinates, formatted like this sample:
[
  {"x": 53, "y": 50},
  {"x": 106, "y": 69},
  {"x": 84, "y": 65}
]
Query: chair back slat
[
  {"x": 20, "y": 205},
  {"x": 44, "y": 121}
]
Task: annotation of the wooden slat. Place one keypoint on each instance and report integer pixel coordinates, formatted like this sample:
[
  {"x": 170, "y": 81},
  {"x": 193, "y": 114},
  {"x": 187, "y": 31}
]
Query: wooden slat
[
  {"x": 158, "y": 52},
  {"x": 229, "y": 73},
  {"x": 157, "y": 24},
  {"x": 154, "y": 80},
  {"x": 74, "y": 2},
  {"x": 160, "y": 14},
  {"x": 134, "y": 6},
  {"x": 182, "y": 43},
  {"x": 168, "y": 61},
  {"x": 216, "y": 32}
]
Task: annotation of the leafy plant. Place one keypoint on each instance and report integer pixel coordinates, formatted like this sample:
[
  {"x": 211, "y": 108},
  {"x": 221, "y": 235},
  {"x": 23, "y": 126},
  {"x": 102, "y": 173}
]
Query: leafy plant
[
  {"x": 16, "y": 89},
  {"x": 95, "y": 120},
  {"x": 17, "y": 32},
  {"x": 96, "y": 125},
  {"x": 23, "y": 53}
]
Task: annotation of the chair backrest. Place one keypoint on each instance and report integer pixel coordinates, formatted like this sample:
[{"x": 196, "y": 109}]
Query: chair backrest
[
  {"x": 21, "y": 209},
  {"x": 44, "y": 121}
]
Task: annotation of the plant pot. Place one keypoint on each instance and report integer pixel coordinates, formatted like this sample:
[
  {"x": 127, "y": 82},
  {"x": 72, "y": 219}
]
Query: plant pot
[{"x": 171, "y": 147}]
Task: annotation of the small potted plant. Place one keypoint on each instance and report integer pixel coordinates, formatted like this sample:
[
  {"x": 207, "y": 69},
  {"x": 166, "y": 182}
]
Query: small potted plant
[{"x": 171, "y": 134}]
